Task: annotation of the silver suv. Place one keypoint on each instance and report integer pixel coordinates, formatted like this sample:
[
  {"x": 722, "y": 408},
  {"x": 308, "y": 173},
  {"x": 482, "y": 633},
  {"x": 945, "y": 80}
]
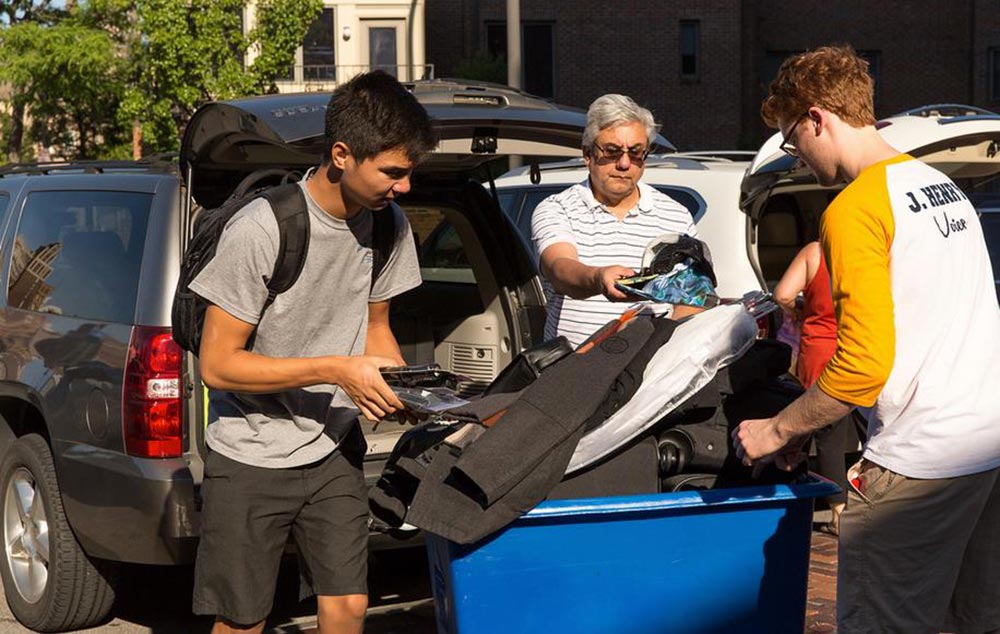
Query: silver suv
[
  {"x": 102, "y": 416},
  {"x": 97, "y": 461}
]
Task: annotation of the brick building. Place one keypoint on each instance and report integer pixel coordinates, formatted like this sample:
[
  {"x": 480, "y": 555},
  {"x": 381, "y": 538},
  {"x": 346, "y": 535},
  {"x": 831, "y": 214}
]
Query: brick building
[{"x": 702, "y": 66}]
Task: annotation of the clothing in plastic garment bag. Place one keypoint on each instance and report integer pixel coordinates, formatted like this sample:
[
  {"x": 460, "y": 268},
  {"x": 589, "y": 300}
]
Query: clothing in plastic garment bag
[{"x": 699, "y": 347}]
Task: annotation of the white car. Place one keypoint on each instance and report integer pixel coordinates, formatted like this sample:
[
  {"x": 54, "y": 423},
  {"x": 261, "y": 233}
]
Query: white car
[{"x": 707, "y": 183}]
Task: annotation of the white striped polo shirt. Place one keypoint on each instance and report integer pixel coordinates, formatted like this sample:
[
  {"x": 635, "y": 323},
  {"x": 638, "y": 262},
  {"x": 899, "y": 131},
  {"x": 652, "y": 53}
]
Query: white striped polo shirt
[{"x": 576, "y": 217}]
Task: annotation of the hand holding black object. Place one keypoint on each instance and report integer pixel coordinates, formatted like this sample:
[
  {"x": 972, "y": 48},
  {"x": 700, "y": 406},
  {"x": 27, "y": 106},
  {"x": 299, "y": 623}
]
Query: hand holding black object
[{"x": 361, "y": 379}]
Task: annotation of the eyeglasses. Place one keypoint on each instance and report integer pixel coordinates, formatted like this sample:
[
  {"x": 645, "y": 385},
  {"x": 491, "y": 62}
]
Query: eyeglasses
[
  {"x": 787, "y": 146},
  {"x": 614, "y": 153}
]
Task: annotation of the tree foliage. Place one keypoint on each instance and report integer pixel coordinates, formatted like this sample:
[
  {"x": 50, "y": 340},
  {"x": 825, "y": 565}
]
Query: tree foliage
[
  {"x": 12, "y": 14},
  {"x": 87, "y": 72},
  {"x": 281, "y": 26},
  {"x": 71, "y": 79},
  {"x": 16, "y": 11},
  {"x": 193, "y": 52}
]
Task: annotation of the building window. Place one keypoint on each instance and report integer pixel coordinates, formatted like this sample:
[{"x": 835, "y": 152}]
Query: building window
[
  {"x": 994, "y": 74},
  {"x": 538, "y": 59},
  {"x": 537, "y": 56},
  {"x": 690, "y": 40},
  {"x": 317, "y": 49},
  {"x": 382, "y": 49}
]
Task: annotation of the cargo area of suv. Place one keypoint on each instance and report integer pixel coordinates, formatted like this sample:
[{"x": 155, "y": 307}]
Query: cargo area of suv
[{"x": 480, "y": 302}]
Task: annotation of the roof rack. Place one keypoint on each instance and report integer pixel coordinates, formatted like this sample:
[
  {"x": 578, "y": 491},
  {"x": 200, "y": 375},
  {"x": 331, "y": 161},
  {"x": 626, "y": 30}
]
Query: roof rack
[
  {"x": 946, "y": 110},
  {"x": 722, "y": 156},
  {"x": 154, "y": 163},
  {"x": 475, "y": 93}
]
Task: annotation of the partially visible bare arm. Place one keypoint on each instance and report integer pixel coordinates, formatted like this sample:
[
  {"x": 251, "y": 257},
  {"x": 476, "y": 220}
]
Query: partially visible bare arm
[
  {"x": 561, "y": 265},
  {"x": 226, "y": 365},
  {"x": 380, "y": 340},
  {"x": 779, "y": 438},
  {"x": 796, "y": 277}
]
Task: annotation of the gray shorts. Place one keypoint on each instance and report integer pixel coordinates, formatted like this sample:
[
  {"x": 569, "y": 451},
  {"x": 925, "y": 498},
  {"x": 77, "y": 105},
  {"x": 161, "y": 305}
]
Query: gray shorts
[
  {"x": 247, "y": 517},
  {"x": 919, "y": 556}
]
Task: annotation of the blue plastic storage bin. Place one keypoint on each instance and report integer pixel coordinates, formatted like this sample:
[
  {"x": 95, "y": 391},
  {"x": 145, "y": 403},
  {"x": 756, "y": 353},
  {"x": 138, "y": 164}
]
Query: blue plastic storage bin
[{"x": 728, "y": 560}]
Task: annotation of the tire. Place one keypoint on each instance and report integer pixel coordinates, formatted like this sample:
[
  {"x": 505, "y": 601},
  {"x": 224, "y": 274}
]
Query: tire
[{"x": 50, "y": 584}]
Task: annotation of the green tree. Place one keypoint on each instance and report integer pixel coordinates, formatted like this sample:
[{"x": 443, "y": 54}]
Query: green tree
[
  {"x": 281, "y": 26},
  {"x": 86, "y": 73},
  {"x": 191, "y": 52},
  {"x": 13, "y": 14}
]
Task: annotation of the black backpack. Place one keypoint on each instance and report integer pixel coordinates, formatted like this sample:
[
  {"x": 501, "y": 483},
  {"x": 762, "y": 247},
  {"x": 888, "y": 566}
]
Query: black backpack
[{"x": 289, "y": 206}]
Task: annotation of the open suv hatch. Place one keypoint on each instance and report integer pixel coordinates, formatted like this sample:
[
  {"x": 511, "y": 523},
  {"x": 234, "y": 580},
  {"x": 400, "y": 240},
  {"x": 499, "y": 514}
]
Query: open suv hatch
[{"x": 783, "y": 201}]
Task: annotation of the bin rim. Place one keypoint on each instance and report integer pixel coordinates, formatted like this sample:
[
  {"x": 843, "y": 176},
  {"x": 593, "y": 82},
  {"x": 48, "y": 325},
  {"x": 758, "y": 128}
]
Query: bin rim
[{"x": 810, "y": 486}]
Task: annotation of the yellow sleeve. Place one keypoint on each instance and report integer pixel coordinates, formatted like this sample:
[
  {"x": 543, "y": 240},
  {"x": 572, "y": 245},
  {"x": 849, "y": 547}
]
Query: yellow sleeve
[{"x": 856, "y": 233}]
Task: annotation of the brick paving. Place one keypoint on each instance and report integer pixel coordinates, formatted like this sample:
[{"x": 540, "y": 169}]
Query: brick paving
[{"x": 821, "y": 607}]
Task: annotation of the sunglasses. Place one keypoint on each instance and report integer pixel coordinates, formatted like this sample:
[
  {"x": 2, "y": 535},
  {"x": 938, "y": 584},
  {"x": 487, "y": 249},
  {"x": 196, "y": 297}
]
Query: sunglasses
[
  {"x": 636, "y": 153},
  {"x": 787, "y": 146}
]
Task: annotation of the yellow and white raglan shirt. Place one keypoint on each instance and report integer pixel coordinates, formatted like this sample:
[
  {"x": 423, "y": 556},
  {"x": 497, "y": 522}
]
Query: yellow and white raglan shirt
[{"x": 918, "y": 324}]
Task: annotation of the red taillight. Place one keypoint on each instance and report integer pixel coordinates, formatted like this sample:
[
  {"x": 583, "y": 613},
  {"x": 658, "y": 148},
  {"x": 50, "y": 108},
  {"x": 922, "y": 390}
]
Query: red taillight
[{"x": 151, "y": 399}]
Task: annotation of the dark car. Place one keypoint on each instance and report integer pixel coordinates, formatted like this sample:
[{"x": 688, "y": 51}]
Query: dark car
[{"x": 101, "y": 414}]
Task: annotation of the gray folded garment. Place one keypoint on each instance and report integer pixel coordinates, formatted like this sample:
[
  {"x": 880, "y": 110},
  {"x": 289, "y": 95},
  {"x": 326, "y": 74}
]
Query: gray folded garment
[{"x": 548, "y": 412}]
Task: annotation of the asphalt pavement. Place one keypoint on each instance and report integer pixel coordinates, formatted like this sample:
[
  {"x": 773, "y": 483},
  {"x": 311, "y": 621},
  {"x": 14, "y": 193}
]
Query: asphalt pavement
[{"x": 157, "y": 600}]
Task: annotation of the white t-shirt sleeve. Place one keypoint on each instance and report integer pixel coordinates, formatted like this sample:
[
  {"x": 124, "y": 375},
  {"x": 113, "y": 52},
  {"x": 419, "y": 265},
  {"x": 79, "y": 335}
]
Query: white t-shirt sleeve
[{"x": 550, "y": 225}]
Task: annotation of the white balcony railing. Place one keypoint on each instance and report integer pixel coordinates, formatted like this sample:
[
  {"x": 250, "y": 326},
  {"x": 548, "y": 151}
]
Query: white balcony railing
[{"x": 305, "y": 78}]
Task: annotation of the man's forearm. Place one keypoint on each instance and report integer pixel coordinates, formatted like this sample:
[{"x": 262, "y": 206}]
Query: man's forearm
[
  {"x": 810, "y": 412},
  {"x": 247, "y": 372},
  {"x": 573, "y": 278}
]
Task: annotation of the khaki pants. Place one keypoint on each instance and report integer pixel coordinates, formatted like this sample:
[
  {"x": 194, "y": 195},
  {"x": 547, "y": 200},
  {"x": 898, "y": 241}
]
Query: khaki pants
[{"x": 919, "y": 556}]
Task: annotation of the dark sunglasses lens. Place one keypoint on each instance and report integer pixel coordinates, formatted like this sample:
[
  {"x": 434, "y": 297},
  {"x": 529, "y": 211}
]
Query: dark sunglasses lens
[{"x": 614, "y": 153}]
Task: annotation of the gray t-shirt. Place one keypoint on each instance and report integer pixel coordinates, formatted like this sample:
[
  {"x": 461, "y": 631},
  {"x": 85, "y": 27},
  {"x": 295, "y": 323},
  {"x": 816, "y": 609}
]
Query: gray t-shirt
[{"x": 324, "y": 313}]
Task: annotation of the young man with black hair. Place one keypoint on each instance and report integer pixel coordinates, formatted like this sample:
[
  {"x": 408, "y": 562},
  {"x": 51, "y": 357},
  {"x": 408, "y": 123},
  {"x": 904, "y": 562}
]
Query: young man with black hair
[{"x": 285, "y": 447}]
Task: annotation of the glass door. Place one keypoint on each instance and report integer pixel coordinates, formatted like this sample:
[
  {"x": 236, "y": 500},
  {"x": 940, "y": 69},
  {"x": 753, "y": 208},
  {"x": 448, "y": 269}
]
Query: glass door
[{"x": 384, "y": 45}]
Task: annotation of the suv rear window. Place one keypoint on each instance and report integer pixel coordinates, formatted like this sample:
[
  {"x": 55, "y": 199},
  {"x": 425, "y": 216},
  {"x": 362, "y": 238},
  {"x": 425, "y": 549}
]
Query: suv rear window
[
  {"x": 4, "y": 206},
  {"x": 78, "y": 253}
]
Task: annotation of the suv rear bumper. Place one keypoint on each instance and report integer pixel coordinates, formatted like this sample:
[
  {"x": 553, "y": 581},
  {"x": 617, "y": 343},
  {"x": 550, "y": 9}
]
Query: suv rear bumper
[{"x": 123, "y": 508}]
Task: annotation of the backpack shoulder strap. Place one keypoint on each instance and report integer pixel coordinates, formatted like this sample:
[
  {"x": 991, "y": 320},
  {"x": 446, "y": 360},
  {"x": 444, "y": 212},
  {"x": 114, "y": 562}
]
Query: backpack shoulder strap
[
  {"x": 292, "y": 215},
  {"x": 383, "y": 239}
]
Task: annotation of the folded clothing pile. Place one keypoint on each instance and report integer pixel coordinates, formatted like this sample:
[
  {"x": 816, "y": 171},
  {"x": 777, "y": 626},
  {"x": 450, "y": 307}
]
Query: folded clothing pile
[{"x": 501, "y": 455}]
